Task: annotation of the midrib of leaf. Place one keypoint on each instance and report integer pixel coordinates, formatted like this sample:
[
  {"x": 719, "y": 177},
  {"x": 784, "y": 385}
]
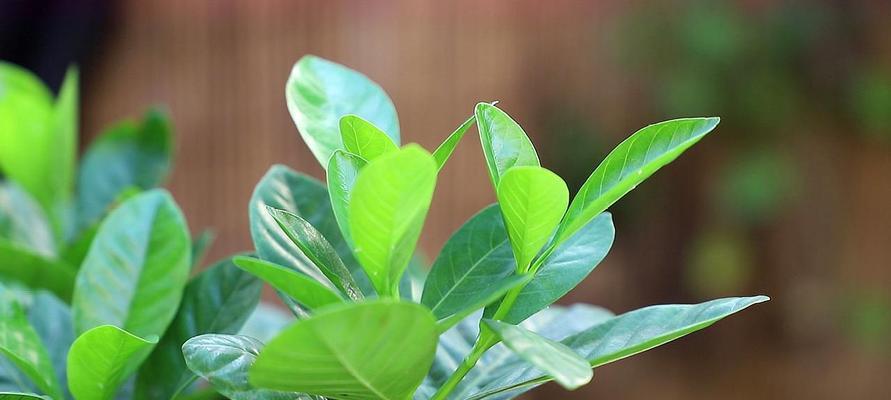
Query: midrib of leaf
[
  {"x": 349, "y": 367},
  {"x": 467, "y": 273},
  {"x": 143, "y": 257}
]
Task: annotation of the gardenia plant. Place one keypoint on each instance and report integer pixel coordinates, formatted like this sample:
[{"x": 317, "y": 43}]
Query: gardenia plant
[{"x": 480, "y": 325}]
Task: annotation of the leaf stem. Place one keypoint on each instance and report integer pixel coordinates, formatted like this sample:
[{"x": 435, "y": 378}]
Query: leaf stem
[{"x": 485, "y": 341}]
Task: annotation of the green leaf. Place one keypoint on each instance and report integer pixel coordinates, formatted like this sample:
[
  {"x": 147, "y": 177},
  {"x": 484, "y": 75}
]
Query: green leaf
[
  {"x": 494, "y": 292},
  {"x": 77, "y": 249},
  {"x": 126, "y": 156},
  {"x": 218, "y": 300},
  {"x": 35, "y": 271},
  {"x": 629, "y": 164},
  {"x": 389, "y": 204},
  {"x": 343, "y": 168},
  {"x": 224, "y": 361},
  {"x": 20, "y": 396},
  {"x": 623, "y": 336},
  {"x": 363, "y": 139},
  {"x": 532, "y": 201},
  {"x": 22, "y": 346},
  {"x": 23, "y": 222},
  {"x": 51, "y": 319},
  {"x": 136, "y": 269},
  {"x": 563, "y": 365},
  {"x": 387, "y": 362},
  {"x": 319, "y": 93},
  {"x": 102, "y": 358},
  {"x": 565, "y": 268},
  {"x": 301, "y": 288},
  {"x": 200, "y": 245},
  {"x": 474, "y": 257},
  {"x": 318, "y": 250},
  {"x": 505, "y": 144},
  {"x": 445, "y": 150}
]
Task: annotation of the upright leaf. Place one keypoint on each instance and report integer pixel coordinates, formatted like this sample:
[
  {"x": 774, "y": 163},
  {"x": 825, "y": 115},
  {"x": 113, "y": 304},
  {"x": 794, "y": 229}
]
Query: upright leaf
[
  {"x": 532, "y": 201},
  {"x": 363, "y": 139},
  {"x": 445, "y": 150},
  {"x": 505, "y": 144},
  {"x": 389, "y": 204},
  {"x": 629, "y": 164},
  {"x": 51, "y": 319},
  {"x": 23, "y": 222},
  {"x": 35, "y": 271},
  {"x": 126, "y": 156},
  {"x": 102, "y": 358},
  {"x": 218, "y": 300},
  {"x": 200, "y": 245},
  {"x": 301, "y": 288},
  {"x": 140, "y": 258},
  {"x": 566, "y": 367},
  {"x": 387, "y": 362},
  {"x": 224, "y": 361},
  {"x": 320, "y": 92},
  {"x": 343, "y": 168},
  {"x": 22, "y": 346}
]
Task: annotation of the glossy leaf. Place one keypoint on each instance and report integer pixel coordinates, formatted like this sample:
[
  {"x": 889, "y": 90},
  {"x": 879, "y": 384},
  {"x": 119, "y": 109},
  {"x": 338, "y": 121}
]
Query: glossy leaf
[
  {"x": 23, "y": 222},
  {"x": 495, "y": 291},
  {"x": 363, "y": 139},
  {"x": 136, "y": 269},
  {"x": 218, "y": 300},
  {"x": 622, "y": 336},
  {"x": 505, "y": 144},
  {"x": 315, "y": 247},
  {"x": 343, "y": 168},
  {"x": 387, "y": 362},
  {"x": 266, "y": 321},
  {"x": 224, "y": 361},
  {"x": 319, "y": 92},
  {"x": 129, "y": 155},
  {"x": 445, "y": 150},
  {"x": 102, "y": 358},
  {"x": 299, "y": 287},
  {"x": 35, "y": 271},
  {"x": 560, "y": 363},
  {"x": 389, "y": 204},
  {"x": 566, "y": 267},
  {"x": 21, "y": 345},
  {"x": 629, "y": 164},
  {"x": 532, "y": 201},
  {"x": 474, "y": 257}
]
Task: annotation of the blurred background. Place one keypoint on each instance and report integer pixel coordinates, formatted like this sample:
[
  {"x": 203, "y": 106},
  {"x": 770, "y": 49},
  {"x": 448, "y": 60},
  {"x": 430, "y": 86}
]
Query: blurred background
[{"x": 790, "y": 198}]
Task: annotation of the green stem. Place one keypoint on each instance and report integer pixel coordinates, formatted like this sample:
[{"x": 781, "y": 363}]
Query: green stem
[{"x": 485, "y": 341}]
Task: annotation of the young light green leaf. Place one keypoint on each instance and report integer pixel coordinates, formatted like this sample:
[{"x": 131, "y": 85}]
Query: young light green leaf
[
  {"x": 128, "y": 155},
  {"x": 445, "y": 150},
  {"x": 565, "y": 268},
  {"x": 218, "y": 300},
  {"x": 141, "y": 258},
  {"x": 532, "y": 201},
  {"x": 629, "y": 164},
  {"x": 36, "y": 271},
  {"x": 102, "y": 358},
  {"x": 21, "y": 345},
  {"x": 505, "y": 144},
  {"x": 388, "y": 362},
  {"x": 363, "y": 139},
  {"x": 477, "y": 255},
  {"x": 343, "y": 168},
  {"x": 318, "y": 250},
  {"x": 389, "y": 204},
  {"x": 320, "y": 92},
  {"x": 299, "y": 287},
  {"x": 562, "y": 364},
  {"x": 23, "y": 222},
  {"x": 623, "y": 336},
  {"x": 224, "y": 361},
  {"x": 65, "y": 125}
]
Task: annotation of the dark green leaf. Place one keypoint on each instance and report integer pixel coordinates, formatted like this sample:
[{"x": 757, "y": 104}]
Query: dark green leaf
[
  {"x": 494, "y": 292},
  {"x": 35, "y": 271},
  {"x": 102, "y": 358},
  {"x": 363, "y": 139},
  {"x": 445, "y": 150},
  {"x": 20, "y": 396},
  {"x": 299, "y": 287},
  {"x": 77, "y": 249},
  {"x": 505, "y": 145},
  {"x": 22, "y": 346},
  {"x": 200, "y": 245},
  {"x": 51, "y": 319}
]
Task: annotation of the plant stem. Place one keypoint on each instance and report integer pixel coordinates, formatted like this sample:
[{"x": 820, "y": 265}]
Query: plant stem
[{"x": 485, "y": 341}]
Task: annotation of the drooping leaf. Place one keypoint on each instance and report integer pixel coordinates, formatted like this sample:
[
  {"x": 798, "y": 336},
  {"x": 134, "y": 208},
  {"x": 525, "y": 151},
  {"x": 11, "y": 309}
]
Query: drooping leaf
[
  {"x": 532, "y": 201},
  {"x": 136, "y": 269},
  {"x": 505, "y": 144},
  {"x": 629, "y": 164},
  {"x": 23, "y": 222},
  {"x": 36, "y": 271},
  {"x": 102, "y": 358},
  {"x": 389, "y": 204},
  {"x": 619, "y": 337},
  {"x": 445, "y": 150},
  {"x": 315, "y": 247},
  {"x": 363, "y": 139},
  {"x": 560, "y": 363},
  {"x": 565, "y": 268},
  {"x": 387, "y": 362},
  {"x": 51, "y": 319},
  {"x": 224, "y": 361},
  {"x": 218, "y": 300},
  {"x": 320, "y": 92},
  {"x": 129, "y": 155},
  {"x": 21, "y": 345},
  {"x": 299, "y": 287},
  {"x": 343, "y": 168}
]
